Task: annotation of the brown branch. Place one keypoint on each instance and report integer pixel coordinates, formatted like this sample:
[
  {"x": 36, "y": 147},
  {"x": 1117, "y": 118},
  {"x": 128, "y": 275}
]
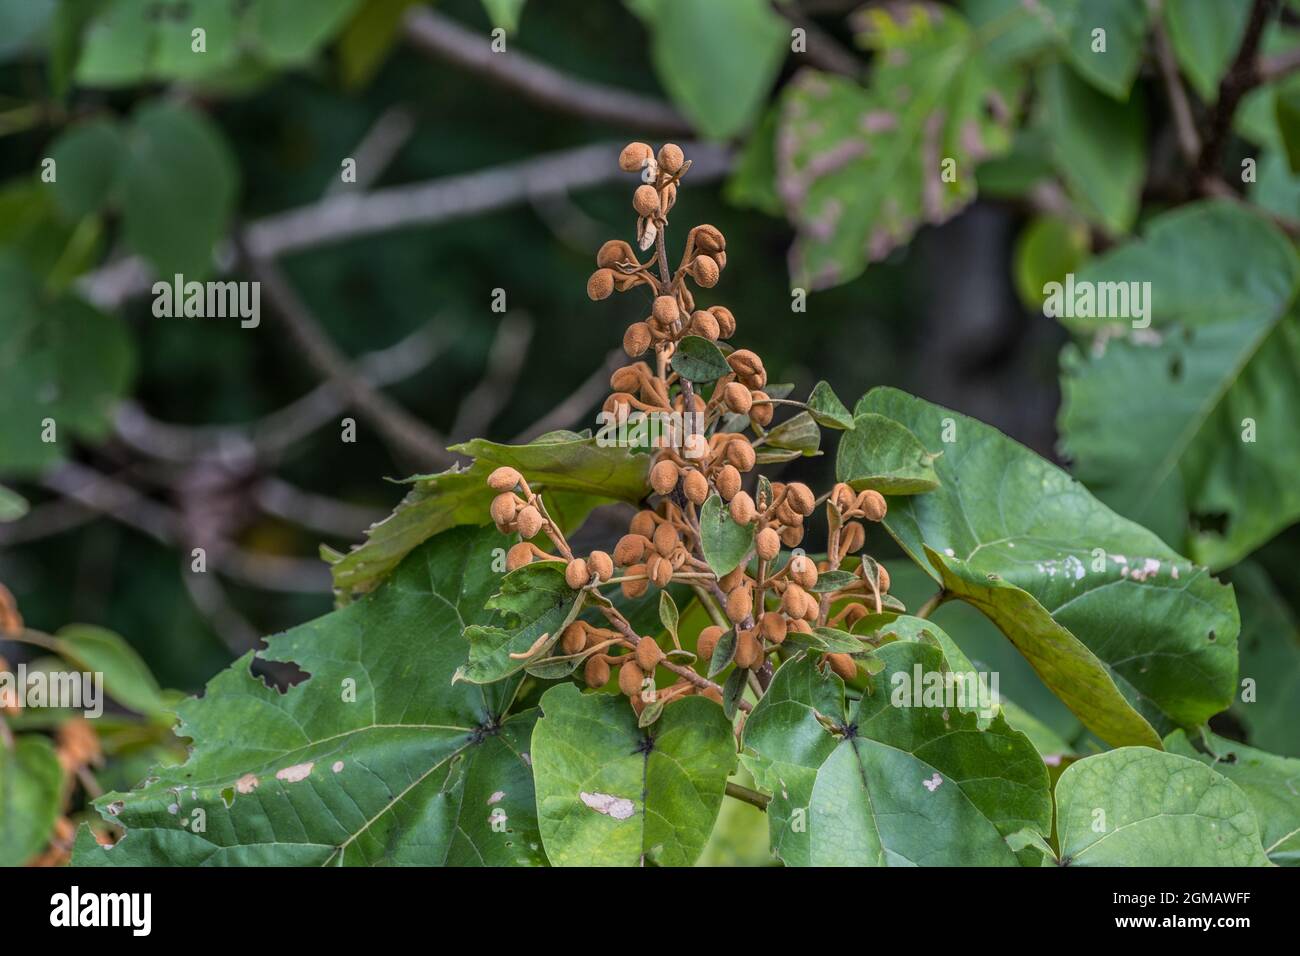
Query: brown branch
[
  {"x": 1242, "y": 76},
  {"x": 1275, "y": 67},
  {"x": 446, "y": 39}
]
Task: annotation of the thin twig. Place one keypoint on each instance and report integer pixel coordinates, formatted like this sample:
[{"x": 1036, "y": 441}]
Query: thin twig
[
  {"x": 1189, "y": 141},
  {"x": 752, "y": 797},
  {"x": 377, "y": 149}
]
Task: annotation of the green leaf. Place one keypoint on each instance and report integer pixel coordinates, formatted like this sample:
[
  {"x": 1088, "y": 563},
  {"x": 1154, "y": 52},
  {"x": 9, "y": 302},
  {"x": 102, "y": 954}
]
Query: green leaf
[
  {"x": 724, "y": 543},
  {"x": 1140, "y": 807},
  {"x": 1048, "y": 249},
  {"x": 752, "y": 184},
  {"x": 86, "y": 158},
  {"x": 1205, "y": 34},
  {"x": 368, "y": 39},
  {"x": 31, "y": 784},
  {"x": 878, "y": 452},
  {"x": 12, "y": 505},
  {"x": 828, "y": 581},
  {"x": 504, "y": 13},
  {"x": 574, "y": 472},
  {"x": 861, "y": 169},
  {"x": 375, "y": 758},
  {"x": 699, "y": 360},
  {"x": 1270, "y": 659},
  {"x": 63, "y": 363},
  {"x": 870, "y": 793},
  {"x": 1099, "y": 146},
  {"x": 535, "y": 602},
  {"x": 732, "y": 692},
  {"x": 724, "y": 652},
  {"x": 1268, "y": 781},
  {"x": 720, "y": 86},
  {"x": 827, "y": 409},
  {"x": 797, "y": 433},
  {"x": 1113, "y": 69},
  {"x": 20, "y": 23},
  {"x": 127, "y": 678},
  {"x": 1214, "y": 375},
  {"x": 290, "y": 31},
  {"x": 178, "y": 187},
  {"x": 668, "y": 614},
  {"x": 612, "y": 794},
  {"x": 1095, "y": 603}
]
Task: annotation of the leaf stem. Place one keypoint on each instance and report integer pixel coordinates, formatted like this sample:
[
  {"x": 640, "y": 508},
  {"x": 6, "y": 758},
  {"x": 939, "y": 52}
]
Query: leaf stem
[
  {"x": 926, "y": 609},
  {"x": 746, "y": 795}
]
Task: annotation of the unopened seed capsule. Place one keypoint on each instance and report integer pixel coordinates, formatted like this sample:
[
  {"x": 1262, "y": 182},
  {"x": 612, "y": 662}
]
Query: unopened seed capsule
[
  {"x": 740, "y": 454},
  {"x": 749, "y": 650},
  {"x": 705, "y": 271},
  {"x": 665, "y": 310},
  {"x": 504, "y": 478},
  {"x": 646, "y": 201},
  {"x": 703, "y": 323},
  {"x": 728, "y": 482},
  {"x": 633, "y": 157},
  {"x": 596, "y": 671},
  {"x": 634, "y": 589},
  {"x": 574, "y": 637},
  {"x": 601, "y": 564},
  {"x": 663, "y": 476},
  {"x": 706, "y": 642},
  {"x": 529, "y": 521},
  {"x": 576, "y": 574},
  {"x": 671, "y": 158},
  {"x": 844, "y": 665},
  {"x": 803, "y": 571},
  {"x": 774, "y": 626},
  {"x": 504, "y": 508},
  {"x": 742, "y": 508},
  {"x": 696, "y": 487},
  {"x": 768, "y": 544},
  {"x": 737, "y": 398},
  {"x": 519, "y": 555},
  {"x": 800, "y": 498},
  {"x": 666, "y": 539},
  {"x": 630, "y": 678},
  {"x": 726, "y": 321},
  {"x": 740, "y": 601},
  {"x": 630, "y": 549},
  {"x": 614, "y": 252},
  {"x": 643, "y": 523},
  {"x": 600, "y": 285},
  {"x": 872, "y": 505},
  {"x": 648, "y": 655},
  {"x": 637, "y": 339},
  {"x": 762, "y": 410}
]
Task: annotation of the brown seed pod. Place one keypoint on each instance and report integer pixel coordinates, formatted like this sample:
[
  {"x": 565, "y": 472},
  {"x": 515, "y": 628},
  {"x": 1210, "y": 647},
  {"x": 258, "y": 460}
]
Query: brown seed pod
[
  {"x": 576, "y": 574},
  {"x": 630, "y": 549},
  {"x": 749, "y": 650},
  {"x": 854, "y": 613},
  {"x": 742, "y": 508},
  {"x": 768, "y": 544},
  {"x": 800, "y": 498},
  {"x": 791, "y": 535},
  {"x": 706, "y": 642},
  {"x": 667, "y": 199},
  {"x": 713, "y": 693},
  {"x": 628, "y": 378},
  {"x": 773, "y": 625},
  {"x": 803, "y": 571},
  {"x": 646, "y": 201},
  {"x": 843, "y": 497},
  {"x": 601, "y": 564},
  {"x": 665, "y": 310},
  {"x": 720, "y": 258},
  {"x": 634, "y": 589},
  {"x": 504, "y": 508},
  {"x": 529, "y": 521},
  {"x": 518, "y": 556},
  {"x": 664, "y": 476},
  {"x": 745, "y": 362},
  {"x": 703, "y": 323},
  {"x": 872, "y": 505},
  {"x": 794, "y": 600},
  {"x": 671, "y": 158},
  {"x": 644, "y": 524},
  {"x": 648, "y": 655},
  {"x": 504, "y": 478},
  {"x": 844, "y": 665},
  {"x": 600, "y": 285},
  {"x": 666, "y": 539},
  {"x": 882, "y": 578},
  {"x": 704, "y": 271},
  {"x": 660, "y": 570},
  {"x": 696, "y": 487},
  {"x": 709, "y": 239},
  {"x": 596, "y": 671},
  {"x": 728, "y": 482},
  {"x": 638, "y": 705},
  {"x": 633, "y": 157},
  {"x": 613, "y": 252},
  {"x": 726, "y": 321},
  {"x": 762, "y": 410},
  {"x": 740, "y": 453},
  {"x": 637, "y": 339},
  {"x": 852, "y": 537},
  {"x": 630, "y": 678},
  {"x": 740, "y": 601},
  {"x": 574, "y": 637},
  {"x": 737, "y": 398}
]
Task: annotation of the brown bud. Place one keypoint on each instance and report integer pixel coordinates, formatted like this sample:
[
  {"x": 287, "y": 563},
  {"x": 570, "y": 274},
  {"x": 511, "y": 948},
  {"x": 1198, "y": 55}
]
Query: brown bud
[
  {"x": 740, "y": 453},
  {"x": 666, "y": 539},
  {"x": 628, "y": 378},
  {"x": 709, "y": 239},
  {"x": 660, "y": 570},
  {"x": 882, "y": 579},
  {"x": 762, "y": 410},
  {"x": 733, "y": 578},
  {"x": 644, "y": 524},
  {"x": 706, "y": 642},
  {"x": 630, "y": 678},
  {"x": 530, "y": 521},
  {"x": 665, "y": 310},
  {"x": 633, "y": 157},
  {"x": 630, "y": 549},
  {"x": 852, "y": 537},
  {"x": 791, "y": 535},
  {"x": 844, "y": 665},
  {"x": 854, "y": 613},
  {"x": 663, "y": 477},
  {"x": 749, "y": 650},
  {"x": 800, "y": 626},
  {"x": 773, "y": 625},
  {"x": 745, "y": 362},
  {"x": 802, "y": 571},
  {"x": 703, "y": 323},
  {"x": 695, "y": 486},
  {"x": 636, "y": 339},
  {"x": 726, "y": 321},
  {"x": 574, "y": 637},
  {"x": 740, "y": 601},
  {"x": 596, "y": 671},
  {"x": 737, "y": 398},
  {"x": 600, "y": 285},
  {"x": 800, "y": 498},
  {"x": 504, "y": 508},
  {"x": 794, "y": 600},
  {"x": 843, "y": 497},
  {"x": 872, "y": 505},
  {"x": 645, "y": 201},
  {"x": 518, "y": 556},
  {"x": 634, "y": 589},
  {"x": 768, "y": 544},
  {"x": 576, "y": 574},
  {"x": 504, "y": 478},
  {"x": 728, "y": 482},
  {"x": 614, "y": 252},
  {"x": 648, "y": 655},
  {"x": 713, "y": 693},
  {"x": 742, "y": 508},
  {"x": 601, "y": 564},
  {"x": 671, "y": 158},
  {"x": 704, "y": 271}
]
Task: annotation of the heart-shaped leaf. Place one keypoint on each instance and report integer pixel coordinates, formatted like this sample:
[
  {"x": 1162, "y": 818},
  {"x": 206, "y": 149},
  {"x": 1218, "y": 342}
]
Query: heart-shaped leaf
[
  {"x": 1097, "y": 604},
  {"x": 376, "y": 758},
  {"x": 827, "y": 409},
  {"x": 699, "y": 360},
  {"x": 797, "y": 433},
  {"x": 724, "y": 543},
  {"x": 610, "y": 793},
  {"x": 879, "y": 453},
  {"x": 1140, "y": 807},
  {"x": 863, "y": 784}
]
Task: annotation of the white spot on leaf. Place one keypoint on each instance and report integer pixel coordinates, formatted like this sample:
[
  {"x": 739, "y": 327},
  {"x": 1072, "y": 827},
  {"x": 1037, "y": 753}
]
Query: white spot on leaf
[
  {"x": 247, "y": 783},
  {"x": 338, "y": 765},
  {"x": 298, "y": 771},
  {"x": 620, "y": 808},
  {"x": 496, "y": 797},
  {"x": 933, "y": 783}
]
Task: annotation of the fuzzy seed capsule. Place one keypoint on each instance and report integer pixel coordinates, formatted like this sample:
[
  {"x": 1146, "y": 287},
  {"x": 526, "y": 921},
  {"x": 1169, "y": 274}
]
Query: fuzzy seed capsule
[
  {"x": 773, "y": 626},
  {"x": 737, "y": 398},
  {"x": 576, "y": 574},
  {"x": 843, "y": 497},
  {"x": 704, "y": 324},
  {"x": 726, "y": 321},
  {"x": 504, "y": 478},
  {"x": 709, "y": 239},
  {"x": 739, "y": 603},
  {"x": 648, "y": 655},
  {"x": 696, "y": 487},
  {"x": 665, "y": 310},
  {"x": 791, "y": 535},
  {"x": 803, "y": 571},
  {"x": 613, "y": 252},
  {"x": 740, "y": 454},
  {"x": 762, "y": 410},
  {"x": 634, "y": 589},
  {"x": 644, "y": 524},
  {"x": 800, "y": 498},
  {"x": 793, "y": 600},
  {"x": 601, "y": 564},
  {"x": 706, "y": 642},
  {"x": 630, "y": 678},
  {"x": 630, "y": 549},
  {"x": 627, "y": 378},
  {"x": 633, "y": 157},
  {"x": 852, "y": 537},
  {"x": 664, "y": 476},
  {"x": 596, "y": 671},
  {"x": 742, "y": 508},
  {"x": 530, "y": 522},
  {"x": 882, "y": 579},
  {"x": 637, "y": 339},
  {"x": 600, "y": 285},
  {"x": 872, "y": 505},
  {"x": 728, "y": 482},
  {"x": 660, "y": 570},
  {"x": 704, "y": 271},
  {"x": 749, "y": 650},
  {"x": 768, "y": 544},
  {"x": 504, "y": 508},
  {"x": 666, "y": 539},
  {"x": 518, "y": 556},
  {"x": 844, "y": 665},
  {"x": 671, "y": 158},
  {"x": 646, "y": 201},
  {"x": 574, "y": 638}
]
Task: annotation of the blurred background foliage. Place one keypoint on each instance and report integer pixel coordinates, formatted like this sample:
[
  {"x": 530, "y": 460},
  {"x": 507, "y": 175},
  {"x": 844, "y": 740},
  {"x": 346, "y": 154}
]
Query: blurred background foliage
[{"x": 481, "y": 170}]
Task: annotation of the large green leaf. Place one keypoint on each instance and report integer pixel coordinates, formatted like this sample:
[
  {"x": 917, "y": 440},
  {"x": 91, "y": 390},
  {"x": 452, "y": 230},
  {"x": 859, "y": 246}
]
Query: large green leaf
[
  {"x": 30, "y": 786},
  {"x": 1270, "y": 660},
  {"x": 1214, "y": 377},
  {"x": 889, "y": 785},
  {"x": 1141, "y": 807},
  {"x": 1097, "y": 604},
  {"x": 861, "y": 169},
  {"x": 574, "y": 471},
  {"x": 720, "y": 86},
  {"x": 62, "y": 361},
  {"x": 377, "y": 757},
  {"x": 879, "y": 453},
  {"x": 1205, "y": 34},
  {"x": 1271, "y": 784},
  {"x": 610, "y": 793},
  {"x": 535, "y": 604},
  {"x": 127, "y": 678}
]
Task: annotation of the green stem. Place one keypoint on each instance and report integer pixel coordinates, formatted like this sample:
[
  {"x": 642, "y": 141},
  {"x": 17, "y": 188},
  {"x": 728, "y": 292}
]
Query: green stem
[
  {"x": 926, "y": 609},
  {"x": 746, "y": 795}
]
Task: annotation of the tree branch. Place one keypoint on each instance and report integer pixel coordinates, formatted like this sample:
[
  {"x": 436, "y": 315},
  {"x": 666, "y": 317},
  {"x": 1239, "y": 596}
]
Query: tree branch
[{"x": 1242, "y": 76}]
